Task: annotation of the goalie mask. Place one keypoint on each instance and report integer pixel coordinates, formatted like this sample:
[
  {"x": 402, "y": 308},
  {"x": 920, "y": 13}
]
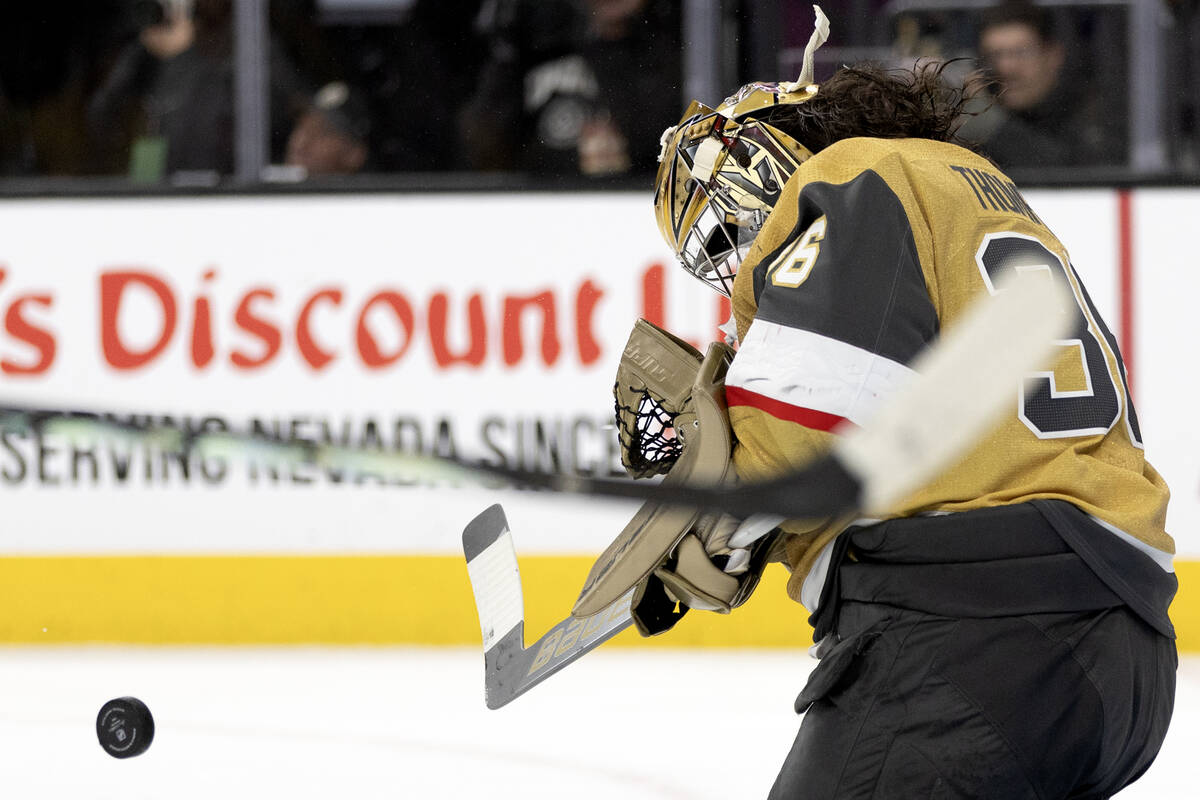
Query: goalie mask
[{"x": 721, "y": 171}]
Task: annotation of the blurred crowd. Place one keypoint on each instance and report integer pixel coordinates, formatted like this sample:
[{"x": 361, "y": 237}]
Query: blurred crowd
[{"x": 146, "y": 88}]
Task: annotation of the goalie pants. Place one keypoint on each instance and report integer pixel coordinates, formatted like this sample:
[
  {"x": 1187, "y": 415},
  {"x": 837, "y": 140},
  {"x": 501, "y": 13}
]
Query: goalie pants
[
  {"x": 914, "y": 703},
  {"x": 1038, "y": 706}
]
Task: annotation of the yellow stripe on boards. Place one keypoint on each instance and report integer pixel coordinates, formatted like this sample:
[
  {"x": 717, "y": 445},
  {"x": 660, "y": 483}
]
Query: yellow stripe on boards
[
  {"x": 360, "y": 599},
  {"x": 237, "y": 599}
]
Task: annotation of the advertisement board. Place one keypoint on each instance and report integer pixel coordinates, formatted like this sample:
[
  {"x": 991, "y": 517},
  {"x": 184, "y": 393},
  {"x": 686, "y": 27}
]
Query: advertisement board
[{"x": 484, "y": 325}]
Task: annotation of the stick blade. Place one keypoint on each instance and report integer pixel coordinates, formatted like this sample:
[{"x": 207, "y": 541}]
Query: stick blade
[
  {"x": 510, "y": 669},
  {"x": 495, "y": 577},
  {"x": 484, "y": 530},
  {"x": 500, "y": 685}
]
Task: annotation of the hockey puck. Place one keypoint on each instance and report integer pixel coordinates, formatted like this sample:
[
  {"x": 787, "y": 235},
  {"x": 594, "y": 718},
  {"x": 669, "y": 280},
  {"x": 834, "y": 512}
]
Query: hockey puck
[{"x": 124, "y": 727}]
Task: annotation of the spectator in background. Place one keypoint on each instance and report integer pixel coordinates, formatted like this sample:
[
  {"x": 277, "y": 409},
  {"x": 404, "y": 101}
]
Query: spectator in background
[
  {"x": 632, "y": 47},
  {"x": 415, "y": 68},
  {"x": 49, "y": 56},
  {"x": 168, "y": 100},
  {"x": 534, "y": 90},
  {"x": 1044, "y": 115},
  {"x": 572, "y": 87},
  {"x": 331, "y": 136}
]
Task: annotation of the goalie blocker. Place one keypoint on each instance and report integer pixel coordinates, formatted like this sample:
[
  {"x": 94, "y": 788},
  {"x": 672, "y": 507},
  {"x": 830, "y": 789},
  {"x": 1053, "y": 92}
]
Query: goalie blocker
[{"x": 671, "y": 417}]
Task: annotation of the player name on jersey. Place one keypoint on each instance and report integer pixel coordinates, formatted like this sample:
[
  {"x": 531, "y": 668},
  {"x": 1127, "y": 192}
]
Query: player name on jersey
[{"x": 996, "y": 193}]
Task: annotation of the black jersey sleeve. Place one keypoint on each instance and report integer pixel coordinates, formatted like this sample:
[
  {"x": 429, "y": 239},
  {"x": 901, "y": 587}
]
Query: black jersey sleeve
[{"x": 865, "y": 286}]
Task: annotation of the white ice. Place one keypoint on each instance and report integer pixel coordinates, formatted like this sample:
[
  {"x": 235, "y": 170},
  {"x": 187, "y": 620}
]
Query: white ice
[{"x": 354, "y": 723}]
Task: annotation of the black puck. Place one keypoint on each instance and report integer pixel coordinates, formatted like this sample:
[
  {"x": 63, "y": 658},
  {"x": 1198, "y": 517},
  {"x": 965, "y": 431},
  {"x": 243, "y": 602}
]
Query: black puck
[{"x": 124, "y": 727}]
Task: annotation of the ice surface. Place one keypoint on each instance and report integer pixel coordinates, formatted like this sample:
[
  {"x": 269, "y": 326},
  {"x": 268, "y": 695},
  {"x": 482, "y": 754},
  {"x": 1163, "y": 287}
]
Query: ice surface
[{"x": 411, "y": 723}]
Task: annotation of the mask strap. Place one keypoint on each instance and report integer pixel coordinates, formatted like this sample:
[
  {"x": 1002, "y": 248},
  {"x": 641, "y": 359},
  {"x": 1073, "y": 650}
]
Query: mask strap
[
  {"x": 705, "y": 161},
  {"x": 819, "y": 36}
]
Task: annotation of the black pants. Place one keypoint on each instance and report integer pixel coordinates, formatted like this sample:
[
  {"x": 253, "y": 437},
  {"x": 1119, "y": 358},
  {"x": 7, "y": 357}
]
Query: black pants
[{"x": 914, "y": 705}]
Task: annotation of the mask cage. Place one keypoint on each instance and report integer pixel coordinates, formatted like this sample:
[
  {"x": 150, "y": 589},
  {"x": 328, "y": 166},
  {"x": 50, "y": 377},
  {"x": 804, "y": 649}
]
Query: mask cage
[{"x": 717, "y": 243}]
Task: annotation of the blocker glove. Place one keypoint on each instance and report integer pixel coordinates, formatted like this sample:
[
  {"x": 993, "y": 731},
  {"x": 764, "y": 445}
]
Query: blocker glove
[{"x": 715, "y": 567}]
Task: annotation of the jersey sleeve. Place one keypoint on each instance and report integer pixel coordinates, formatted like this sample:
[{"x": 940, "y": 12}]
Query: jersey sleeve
[{"x": 835, "y": 306}]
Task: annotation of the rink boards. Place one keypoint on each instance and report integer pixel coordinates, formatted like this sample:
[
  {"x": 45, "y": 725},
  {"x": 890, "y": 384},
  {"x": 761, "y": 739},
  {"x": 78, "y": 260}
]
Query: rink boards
[{"x": 487, "y": 325}]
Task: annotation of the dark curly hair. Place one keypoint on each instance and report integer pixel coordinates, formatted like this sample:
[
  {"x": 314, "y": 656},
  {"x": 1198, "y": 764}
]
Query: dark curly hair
[{"x": 869, "y": 99}]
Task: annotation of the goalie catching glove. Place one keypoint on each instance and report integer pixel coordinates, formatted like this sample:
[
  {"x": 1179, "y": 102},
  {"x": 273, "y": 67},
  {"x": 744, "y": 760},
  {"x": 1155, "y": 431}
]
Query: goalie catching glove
[
  {"x": 671, "y": 417},
  {"x": 653, "y": 392}
]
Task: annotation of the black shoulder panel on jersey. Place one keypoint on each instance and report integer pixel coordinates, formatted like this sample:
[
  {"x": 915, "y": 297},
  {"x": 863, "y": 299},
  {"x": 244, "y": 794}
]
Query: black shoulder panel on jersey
[{"x": 866, "y": 287}]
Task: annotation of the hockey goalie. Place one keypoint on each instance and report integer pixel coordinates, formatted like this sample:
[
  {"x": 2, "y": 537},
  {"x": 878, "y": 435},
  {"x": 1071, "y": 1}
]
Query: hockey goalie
[
  {"x": 999, "y": 632},
  {"x": 996, "y": 627}
]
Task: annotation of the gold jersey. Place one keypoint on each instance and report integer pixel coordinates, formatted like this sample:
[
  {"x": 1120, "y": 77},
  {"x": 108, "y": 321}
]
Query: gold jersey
[{"x": 874, "y": 247}]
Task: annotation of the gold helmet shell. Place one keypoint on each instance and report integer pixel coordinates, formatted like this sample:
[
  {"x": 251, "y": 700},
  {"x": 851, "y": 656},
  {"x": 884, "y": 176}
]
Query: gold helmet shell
[
  {"x": 722, "y": 169},
  {"x": 720, "y": 173}
]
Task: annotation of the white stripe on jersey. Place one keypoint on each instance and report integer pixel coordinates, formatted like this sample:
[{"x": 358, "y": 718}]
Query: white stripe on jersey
[
  {"x": 807, "y": 370},
  {"x": 1166, "y": 561}
]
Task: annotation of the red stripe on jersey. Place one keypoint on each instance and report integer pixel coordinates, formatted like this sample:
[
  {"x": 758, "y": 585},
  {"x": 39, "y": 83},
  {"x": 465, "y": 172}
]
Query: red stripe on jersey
[{"x": 808, "y": 417}]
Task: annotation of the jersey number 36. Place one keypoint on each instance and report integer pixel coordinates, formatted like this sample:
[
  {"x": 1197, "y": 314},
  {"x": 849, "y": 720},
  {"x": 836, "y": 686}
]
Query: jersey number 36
[{"x": 1050, "y": 412}]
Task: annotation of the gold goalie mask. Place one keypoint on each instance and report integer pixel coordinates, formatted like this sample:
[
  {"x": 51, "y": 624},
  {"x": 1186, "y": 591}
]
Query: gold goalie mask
[{"x": 721, "y": 171}]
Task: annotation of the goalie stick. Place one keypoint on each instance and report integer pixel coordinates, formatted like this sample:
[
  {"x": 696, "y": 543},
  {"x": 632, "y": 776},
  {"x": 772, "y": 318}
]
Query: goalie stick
[
  {"x": 510, "y": 668},
  {"x": 962, "y": 384}
]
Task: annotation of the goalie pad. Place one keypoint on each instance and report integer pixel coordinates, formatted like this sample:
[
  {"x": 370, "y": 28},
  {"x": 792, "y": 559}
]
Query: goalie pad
[{"x": 702, "y": 426}]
